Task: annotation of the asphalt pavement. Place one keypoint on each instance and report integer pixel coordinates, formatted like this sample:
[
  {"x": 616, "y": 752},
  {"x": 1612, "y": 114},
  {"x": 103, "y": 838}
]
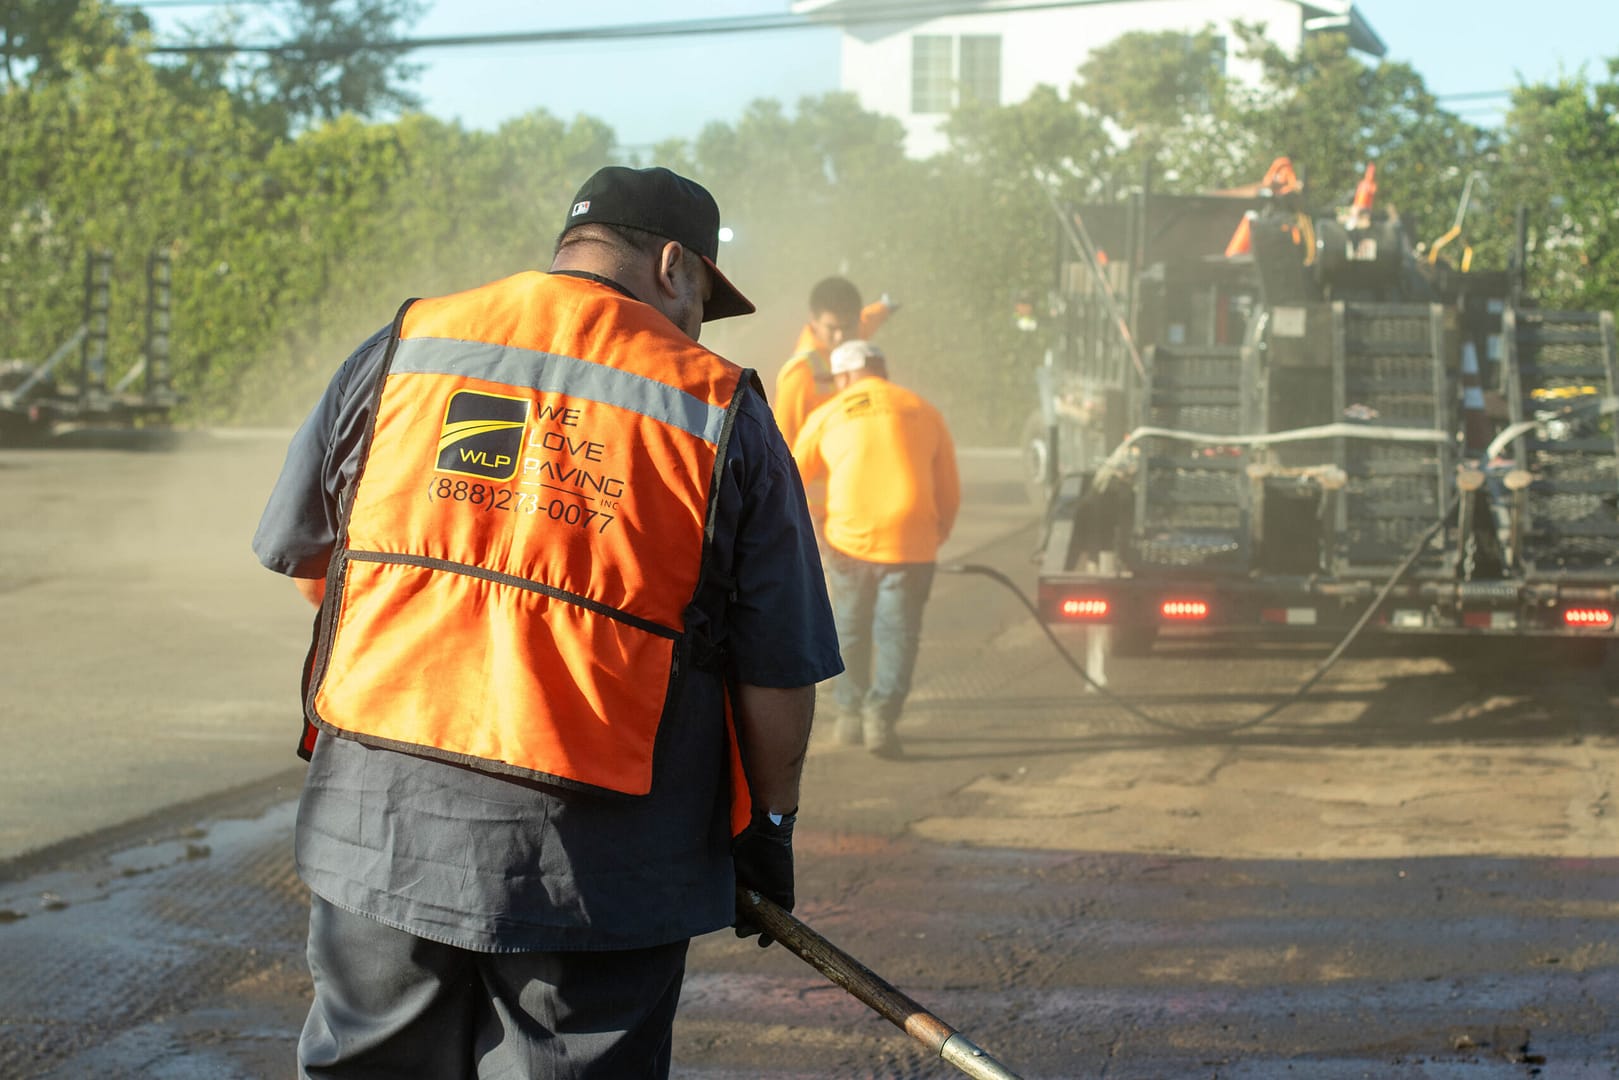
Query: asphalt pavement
[
  {"x": 1410, "y": 873},
  {"x": 149, "y": 661}
]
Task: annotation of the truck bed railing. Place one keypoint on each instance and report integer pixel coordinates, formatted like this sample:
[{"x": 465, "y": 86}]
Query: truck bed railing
[
  {"x": 1566, "y": 520},
  {"x": 1389, "y": 367}
]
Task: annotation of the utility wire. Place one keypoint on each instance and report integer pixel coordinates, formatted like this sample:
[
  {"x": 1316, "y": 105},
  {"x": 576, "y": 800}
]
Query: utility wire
[
  {"x": 196, "y": 3},
  {"x": 902, "y": 11},
  {"x": 895, "y": 11},
  {"x": 899, "y": 10}
]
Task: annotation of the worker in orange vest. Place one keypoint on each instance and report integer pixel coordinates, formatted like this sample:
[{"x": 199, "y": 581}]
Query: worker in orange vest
[
  {"x": 1280, "y": 181},
  {"x": 1366, "y": 190},
  {"x": 805, "y": 380},
  {"x": 570, "y": 602},
  {"x": 892, "y": 496}
]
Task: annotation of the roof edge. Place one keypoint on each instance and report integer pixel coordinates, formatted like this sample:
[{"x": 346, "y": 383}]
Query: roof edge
[
  {"x": 1345, "y": 16},
  {"x": 1319, "y": 16}
]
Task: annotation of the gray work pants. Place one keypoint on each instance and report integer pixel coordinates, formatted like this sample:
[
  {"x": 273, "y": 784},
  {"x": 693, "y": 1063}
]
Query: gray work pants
[{"x": 391, "y": 1004}]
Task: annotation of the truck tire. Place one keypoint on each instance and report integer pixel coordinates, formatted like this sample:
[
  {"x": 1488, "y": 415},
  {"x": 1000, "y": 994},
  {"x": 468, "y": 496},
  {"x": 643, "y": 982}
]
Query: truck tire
[{"x": 1034, "y": 448}]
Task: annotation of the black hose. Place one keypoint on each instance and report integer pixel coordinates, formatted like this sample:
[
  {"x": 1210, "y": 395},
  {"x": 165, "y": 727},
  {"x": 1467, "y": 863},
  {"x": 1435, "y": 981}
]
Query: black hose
[{"x": 1200, "y": 729}]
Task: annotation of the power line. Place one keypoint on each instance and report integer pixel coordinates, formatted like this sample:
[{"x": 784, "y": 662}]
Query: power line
[
  {"x": 904, "y": 11},
  {"x": 895, "y": 11},
  {"x": 195, "y": 3}
]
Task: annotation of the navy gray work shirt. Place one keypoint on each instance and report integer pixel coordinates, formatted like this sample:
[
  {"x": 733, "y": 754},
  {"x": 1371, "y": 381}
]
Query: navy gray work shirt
[{"x": 497, "y": 864}]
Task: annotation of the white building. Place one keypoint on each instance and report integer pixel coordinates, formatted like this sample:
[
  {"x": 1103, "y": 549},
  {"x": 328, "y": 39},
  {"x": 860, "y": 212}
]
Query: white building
[{"x": 997, "y": 51}]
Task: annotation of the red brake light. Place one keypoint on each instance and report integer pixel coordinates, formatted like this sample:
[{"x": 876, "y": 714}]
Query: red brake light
[
  {"x": 1090, "y": 607},
  {"x": 1184, "y": 609},
  {"x": 1582, "y": 616}
]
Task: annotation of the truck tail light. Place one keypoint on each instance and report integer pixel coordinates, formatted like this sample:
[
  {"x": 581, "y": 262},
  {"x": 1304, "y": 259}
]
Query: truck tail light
[
  {"x": 1595, "y": 618},
  {"x": 1084, "y": 607},
  {"x": 1184, "y": 609}
]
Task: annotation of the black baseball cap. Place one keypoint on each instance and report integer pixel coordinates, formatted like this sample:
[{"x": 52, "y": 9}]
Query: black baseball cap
[{"x": 666, "y": 204}]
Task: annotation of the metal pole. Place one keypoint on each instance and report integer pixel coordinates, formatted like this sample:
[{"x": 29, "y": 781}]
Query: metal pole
[
  {"x": 871, "y": 989},
  {"x": 1099, "y": 639}
]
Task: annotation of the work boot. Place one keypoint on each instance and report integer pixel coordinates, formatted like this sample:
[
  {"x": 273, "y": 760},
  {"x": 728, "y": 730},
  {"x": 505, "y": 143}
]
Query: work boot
[
  {"x": 848, "y": 729},
  {"x": 879, "y": 735}
]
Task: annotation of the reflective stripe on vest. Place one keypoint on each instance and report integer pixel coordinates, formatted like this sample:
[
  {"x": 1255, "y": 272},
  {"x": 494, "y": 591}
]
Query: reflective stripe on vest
[
  {"x": 526, "y": 535},
  {"x": 820, "y": 367}
]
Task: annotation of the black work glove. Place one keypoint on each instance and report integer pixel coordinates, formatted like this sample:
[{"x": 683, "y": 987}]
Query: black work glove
[{"x": 763, "y": 855}]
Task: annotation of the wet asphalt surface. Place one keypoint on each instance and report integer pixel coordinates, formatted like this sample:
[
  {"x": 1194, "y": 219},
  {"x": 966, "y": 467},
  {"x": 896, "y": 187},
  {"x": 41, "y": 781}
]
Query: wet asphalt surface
[{"x": 173, "y": 948}]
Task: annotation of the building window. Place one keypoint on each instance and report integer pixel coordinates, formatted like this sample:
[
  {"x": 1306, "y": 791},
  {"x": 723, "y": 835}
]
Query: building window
[
  {"x": 931, "y": 74},
  {"x": 947, "y": 71},
  {"x": 980, "y": 69}
]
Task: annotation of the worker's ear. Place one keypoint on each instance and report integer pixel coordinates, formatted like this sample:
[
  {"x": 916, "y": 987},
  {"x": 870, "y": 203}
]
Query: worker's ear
[{"x": 670, "y": 260}]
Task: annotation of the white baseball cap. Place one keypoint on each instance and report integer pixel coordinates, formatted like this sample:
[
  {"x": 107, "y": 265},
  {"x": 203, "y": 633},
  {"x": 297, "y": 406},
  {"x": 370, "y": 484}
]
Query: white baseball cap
[{"x": 852, "y": 356}]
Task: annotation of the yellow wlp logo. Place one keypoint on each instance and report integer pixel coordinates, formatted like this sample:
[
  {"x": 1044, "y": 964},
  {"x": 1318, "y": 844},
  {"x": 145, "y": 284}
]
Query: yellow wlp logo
[{"x": 482, "y": 435}]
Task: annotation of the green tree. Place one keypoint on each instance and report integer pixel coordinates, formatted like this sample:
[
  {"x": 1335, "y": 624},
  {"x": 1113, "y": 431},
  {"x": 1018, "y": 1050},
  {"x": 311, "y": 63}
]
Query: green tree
[
  {"x": 214, "y": 69},
  {"x": 104, "y": 157},
  {"x": 358, "y": 216},
  {"x": 293, "y": 241},
  {"x": 287, "y": 250},
  {"x": 1561, "y": 142},
  {"x": 1167, "y": 97},
  {"x": 1048, "y": 138},
  {"x": 338, "y": 59},
  {"x": 41, "y": 39},
  {"x": 1332, "y": 113},
  {"x": 332, "y": 57}
]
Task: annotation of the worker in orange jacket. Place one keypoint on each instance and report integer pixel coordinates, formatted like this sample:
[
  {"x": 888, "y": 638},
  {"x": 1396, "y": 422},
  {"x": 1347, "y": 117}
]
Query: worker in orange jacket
[
  {"x": 805, "y": 380},
  {"x": 1280, "y": 182},
  {"x": 836, "y": 315},
  {"x": 892, "y": 496}
]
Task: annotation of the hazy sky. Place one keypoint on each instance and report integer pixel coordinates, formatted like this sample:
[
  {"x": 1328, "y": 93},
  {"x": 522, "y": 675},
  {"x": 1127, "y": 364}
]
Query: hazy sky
[{"x": 651, "y": 90}]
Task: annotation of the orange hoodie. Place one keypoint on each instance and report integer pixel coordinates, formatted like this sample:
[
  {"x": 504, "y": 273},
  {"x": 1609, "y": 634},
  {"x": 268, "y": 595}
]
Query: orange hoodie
[{"x": 892, "y": 490}]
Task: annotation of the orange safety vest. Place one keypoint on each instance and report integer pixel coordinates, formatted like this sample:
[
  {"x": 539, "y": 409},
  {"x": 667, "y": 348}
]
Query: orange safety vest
[
  {"x": 517, "y": 576},
  {"x": 803, "y": 382},
  {"x": 799, "y": 391}
]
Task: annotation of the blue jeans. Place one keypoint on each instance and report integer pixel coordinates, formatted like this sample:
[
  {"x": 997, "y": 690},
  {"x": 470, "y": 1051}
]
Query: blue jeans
[{"x": 878, "y": 611}]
